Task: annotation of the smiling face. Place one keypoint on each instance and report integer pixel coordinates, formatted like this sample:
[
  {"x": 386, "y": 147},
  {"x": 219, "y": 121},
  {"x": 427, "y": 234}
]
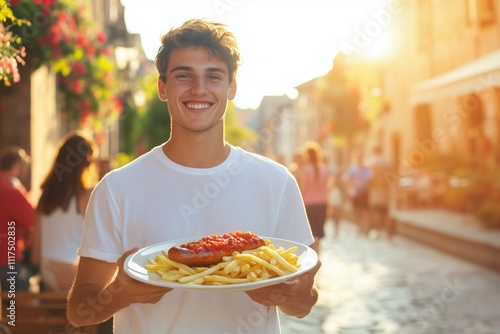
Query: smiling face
[{"x": 197, "y": 88}]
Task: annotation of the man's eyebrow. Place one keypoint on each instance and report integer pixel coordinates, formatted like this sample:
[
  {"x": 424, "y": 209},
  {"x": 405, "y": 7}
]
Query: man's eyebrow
[
  {"x": 216, "y": 69},
  {"x": 181, "y": 68},
  {"x": 188, "y": 68}
]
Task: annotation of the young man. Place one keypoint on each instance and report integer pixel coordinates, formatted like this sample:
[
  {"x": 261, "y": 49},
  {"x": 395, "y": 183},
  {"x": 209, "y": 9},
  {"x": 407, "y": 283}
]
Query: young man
[{"x": 193, "y": 185}]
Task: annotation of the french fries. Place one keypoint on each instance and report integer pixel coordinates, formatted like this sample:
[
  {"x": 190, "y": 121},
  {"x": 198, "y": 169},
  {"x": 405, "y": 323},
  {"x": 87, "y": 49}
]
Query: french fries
[{"x": 249, "y": 266}]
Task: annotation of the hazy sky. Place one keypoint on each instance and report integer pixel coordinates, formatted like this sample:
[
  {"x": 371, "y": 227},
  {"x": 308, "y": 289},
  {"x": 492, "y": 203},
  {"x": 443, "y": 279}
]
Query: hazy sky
[{"x": 283, "y": 43}]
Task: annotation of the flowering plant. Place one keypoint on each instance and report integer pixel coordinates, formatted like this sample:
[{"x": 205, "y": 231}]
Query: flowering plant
[
  {"x": 62, "y": 36},
  {"x": 12, "y": 51},
  {"x": 84, "y": 83}
]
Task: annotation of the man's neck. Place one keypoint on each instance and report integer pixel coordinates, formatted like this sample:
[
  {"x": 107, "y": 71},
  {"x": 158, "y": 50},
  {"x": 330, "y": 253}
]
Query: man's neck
[{"x": 196, "y": 154}]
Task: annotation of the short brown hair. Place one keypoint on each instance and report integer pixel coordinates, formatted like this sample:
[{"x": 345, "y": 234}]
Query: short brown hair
[
  {"x": 212, "y": 35},
  {"x": 12, "y": 155}
]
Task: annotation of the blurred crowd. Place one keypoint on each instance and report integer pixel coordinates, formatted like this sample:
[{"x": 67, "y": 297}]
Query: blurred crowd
[{"x": 363, "y": 190}]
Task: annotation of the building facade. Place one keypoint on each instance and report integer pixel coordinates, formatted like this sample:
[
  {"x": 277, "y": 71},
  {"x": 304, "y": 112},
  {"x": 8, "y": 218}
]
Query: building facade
[{"x": 442, "y": 81}]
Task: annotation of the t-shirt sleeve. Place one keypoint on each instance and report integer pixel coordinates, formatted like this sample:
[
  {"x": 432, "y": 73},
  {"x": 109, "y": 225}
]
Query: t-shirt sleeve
[
  {"x": 101, "y": 238},
  {"x": 293, "y": 222}
]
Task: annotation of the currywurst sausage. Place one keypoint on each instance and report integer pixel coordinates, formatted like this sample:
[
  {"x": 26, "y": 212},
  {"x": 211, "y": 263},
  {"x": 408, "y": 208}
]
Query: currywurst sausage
[{"x": 210, "y": 250}]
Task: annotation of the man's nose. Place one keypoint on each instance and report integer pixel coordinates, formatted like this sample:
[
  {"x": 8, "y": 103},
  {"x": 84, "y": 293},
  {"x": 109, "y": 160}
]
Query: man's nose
[{"x": 199, "y": 86}]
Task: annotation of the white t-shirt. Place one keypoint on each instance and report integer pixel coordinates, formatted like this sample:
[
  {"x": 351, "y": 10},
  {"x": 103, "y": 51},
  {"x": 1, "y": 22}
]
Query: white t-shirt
[
  {"x": 153, "y": 200},
  {"x": 61, "y": 233}
]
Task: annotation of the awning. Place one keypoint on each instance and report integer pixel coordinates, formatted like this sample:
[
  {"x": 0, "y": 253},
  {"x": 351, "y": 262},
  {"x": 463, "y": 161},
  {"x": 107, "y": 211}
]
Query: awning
[{"x": 477, "y": 76}]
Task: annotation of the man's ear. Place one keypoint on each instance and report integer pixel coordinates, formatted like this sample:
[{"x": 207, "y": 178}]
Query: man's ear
[
  {"x": 232, "y": 90},
  {"x": 162, "y": 90}
]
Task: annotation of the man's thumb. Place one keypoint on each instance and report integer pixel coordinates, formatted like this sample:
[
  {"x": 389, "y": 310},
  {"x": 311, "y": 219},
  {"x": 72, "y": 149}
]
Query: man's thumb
[{"x": 122, "y": 259}]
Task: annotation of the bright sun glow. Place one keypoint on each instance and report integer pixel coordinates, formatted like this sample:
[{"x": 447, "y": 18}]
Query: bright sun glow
[{"x": 283, "y": 43}]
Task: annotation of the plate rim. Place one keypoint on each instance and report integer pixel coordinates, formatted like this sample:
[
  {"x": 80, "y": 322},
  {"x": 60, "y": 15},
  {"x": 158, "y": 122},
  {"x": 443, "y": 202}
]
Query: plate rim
[{"x": 309, "y": 253}]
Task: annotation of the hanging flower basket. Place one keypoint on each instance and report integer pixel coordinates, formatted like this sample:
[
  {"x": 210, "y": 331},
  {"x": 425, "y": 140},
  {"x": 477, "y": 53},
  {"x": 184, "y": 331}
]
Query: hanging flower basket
[
  {"x": 62, "y": 36},
  {"x": 12, "y": 52}
]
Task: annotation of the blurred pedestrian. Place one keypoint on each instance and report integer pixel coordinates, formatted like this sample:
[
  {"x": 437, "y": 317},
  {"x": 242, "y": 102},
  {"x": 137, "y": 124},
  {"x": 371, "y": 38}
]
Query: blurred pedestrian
[
  {"x": 333, "y": 169},
  {"x": 313, "y": 178},
  {"x": 355, "y": 178},
  {"x": 103, "y": 167},
  {"x": 60, "y": 210},
  {"x": 297, "y": 161},
  {"x": 335, "y": 197},
  {"x": 279, "y": 158},
  {"x": 14, "y": 163},
  {"x": 16, "y": 217},
  {"x": 335, "y": 203},
  {"x": 379, "y": 191}
]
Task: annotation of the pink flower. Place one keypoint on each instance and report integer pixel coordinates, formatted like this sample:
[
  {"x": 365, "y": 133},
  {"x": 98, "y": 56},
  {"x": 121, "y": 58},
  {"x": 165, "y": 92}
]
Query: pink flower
[
  {"x": 90, "y": 50},
  {"x": 79, "y": 69},
  {"x": 86, "y": 113},
  {"x": 118, "y": 105},
  {"x": 81, "y": 40},
  {"x": 62, "y": 17},
  {"x": 107, "y": 52},
  {"x": 101, "y": 37},
  {"x": 76, "y": 87}
]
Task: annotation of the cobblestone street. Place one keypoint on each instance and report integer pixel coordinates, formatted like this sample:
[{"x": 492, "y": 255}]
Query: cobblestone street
[{"x": 398, "y": 286}]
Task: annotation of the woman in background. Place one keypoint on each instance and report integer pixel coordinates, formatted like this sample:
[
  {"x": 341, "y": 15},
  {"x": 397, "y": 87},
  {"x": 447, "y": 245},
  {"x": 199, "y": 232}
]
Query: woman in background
[
  {"x": 59, "y": 213},
  {"x": 313, "y": 178}
]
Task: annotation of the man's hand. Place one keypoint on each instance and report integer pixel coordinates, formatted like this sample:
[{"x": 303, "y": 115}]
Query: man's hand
[
  {"x": 101, "y": 289},
  {"x": 136, "y": 291},
  {"x": 294, "y": 297}
]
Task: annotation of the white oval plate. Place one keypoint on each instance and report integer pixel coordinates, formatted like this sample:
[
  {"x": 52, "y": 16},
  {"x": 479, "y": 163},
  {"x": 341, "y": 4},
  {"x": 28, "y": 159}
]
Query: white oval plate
[{"x": 134, "y": 267}]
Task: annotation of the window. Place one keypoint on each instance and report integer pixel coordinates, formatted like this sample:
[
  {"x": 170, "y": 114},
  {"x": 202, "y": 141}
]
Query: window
[{"x": 423, "y": 122}]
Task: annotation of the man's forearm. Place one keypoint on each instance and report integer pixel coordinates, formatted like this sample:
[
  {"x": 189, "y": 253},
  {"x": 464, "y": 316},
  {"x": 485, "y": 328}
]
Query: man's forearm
[{"x": 89, "y": 304}]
